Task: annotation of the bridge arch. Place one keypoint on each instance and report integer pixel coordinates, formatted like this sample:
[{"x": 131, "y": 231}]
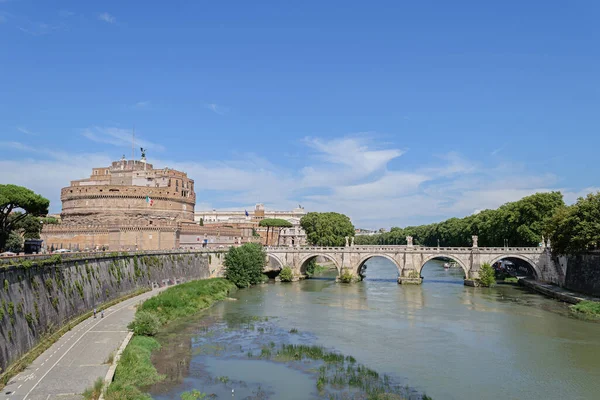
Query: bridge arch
[
  {"x": 369, "y": 256},
  {"x": 450, "y": 256},
  {"x": 529, "y": 261},
  {"x": 275, "y": 258},
  {"x": 304, "y": 262}
]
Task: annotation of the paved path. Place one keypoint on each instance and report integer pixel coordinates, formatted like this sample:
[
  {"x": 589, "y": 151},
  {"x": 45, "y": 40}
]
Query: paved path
[
  {"x": 559, "y": 293},
  {"x": 77, "y": 359}
]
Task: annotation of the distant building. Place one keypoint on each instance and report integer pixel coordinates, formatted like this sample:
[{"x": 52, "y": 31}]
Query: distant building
[
  {"x": 131, "y": 205},
  {"x": 364, "y": 232},
  {"x": 294, "y": 236}
]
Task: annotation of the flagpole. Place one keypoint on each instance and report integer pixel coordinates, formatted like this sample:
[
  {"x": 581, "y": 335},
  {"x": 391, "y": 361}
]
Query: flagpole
[{"x": 133, "y": 144}]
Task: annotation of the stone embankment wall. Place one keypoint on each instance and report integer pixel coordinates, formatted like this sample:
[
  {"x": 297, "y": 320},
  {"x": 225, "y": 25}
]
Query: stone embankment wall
[
  {"x": 38, "y": 300},
  {"x": 582, "y": 272}
]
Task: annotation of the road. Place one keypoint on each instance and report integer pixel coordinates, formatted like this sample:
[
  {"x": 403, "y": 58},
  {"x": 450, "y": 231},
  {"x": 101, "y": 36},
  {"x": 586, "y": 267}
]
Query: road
[{"x": 77, "y": 359}]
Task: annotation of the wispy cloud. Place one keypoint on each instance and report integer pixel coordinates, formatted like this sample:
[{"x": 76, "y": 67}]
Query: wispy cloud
[
  {"x": 217, "y": 109},
  {"x": 118, "y": 137},
  {"x": 140, "y": 105},
  {"x": 65, "y": 13},
  {"x": 356, "y": 175},
  {"x": 106, "y": 17},
  {"x": 496, "y": 151},
  {"x": 38, "y": 29},
  {"x": 25, "y": 131}
]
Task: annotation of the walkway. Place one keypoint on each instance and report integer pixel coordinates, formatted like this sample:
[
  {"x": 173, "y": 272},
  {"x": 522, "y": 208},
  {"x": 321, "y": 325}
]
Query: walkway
[
  {"x": 77, "y": 359},
  {"x": 562, "y": 294}
]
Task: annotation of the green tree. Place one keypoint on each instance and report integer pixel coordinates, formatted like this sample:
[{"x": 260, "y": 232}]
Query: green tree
[
  {"x": 244, "y": 265},
  {"x": 286, "y": 274},
  {"x": 327, "y": 229},
  {"x": 487, "y": 275},
  {"x": 201, "y": 221},
  {"x": 14, "y": 243},
  {"x": 576, "y": 229},
  {"x": 274, "y": 223},
  {"x": 522, "y": 223},
  {"x": 17, "y": 198}
]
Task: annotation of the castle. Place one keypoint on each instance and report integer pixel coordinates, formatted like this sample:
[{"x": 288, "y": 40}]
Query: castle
[{"x": 132, "y": 206}]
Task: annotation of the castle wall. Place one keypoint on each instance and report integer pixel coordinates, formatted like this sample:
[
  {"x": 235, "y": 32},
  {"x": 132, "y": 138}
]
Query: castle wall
[{"x": 38, "y": 300}]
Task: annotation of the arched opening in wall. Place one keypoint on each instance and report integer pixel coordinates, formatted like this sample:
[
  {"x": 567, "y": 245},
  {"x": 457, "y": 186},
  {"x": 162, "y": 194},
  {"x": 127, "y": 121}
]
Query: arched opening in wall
[
  {"x": 444, "y": 269},
  {"x": 378, "y": 268},
  {"x": 512, "y": 268},
  {"x": 273, "y": 267},
  {"x": 319, "y": 267}
]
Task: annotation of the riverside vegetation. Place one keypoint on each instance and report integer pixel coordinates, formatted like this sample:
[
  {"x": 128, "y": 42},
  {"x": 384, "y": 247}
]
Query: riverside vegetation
[{"x": 135, "y": 369}]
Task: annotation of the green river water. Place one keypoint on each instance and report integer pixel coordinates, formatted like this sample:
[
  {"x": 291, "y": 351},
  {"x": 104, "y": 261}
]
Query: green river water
[{"x": 440, "y": 338}]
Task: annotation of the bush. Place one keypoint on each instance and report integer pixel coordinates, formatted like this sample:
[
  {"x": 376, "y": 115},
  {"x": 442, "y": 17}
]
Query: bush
[
  {"x": 487, "y": 275},
  {"x": 286, "y": 274},
  {"x": 346, "y": 277},
  {"x": 244, "y": 265},
  {"x": 145, "y": 323}
]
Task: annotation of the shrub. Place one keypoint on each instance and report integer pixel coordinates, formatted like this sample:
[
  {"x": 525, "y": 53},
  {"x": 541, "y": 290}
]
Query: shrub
[
  {"x": 487, "y": 275},
  {"x": 286, "y": 274},
  {"x": 347, "y": 276},
  {"x": 145, "y": 323},
  {"x": 244, "y": 265},
  {"x": 94, "y": 392}
]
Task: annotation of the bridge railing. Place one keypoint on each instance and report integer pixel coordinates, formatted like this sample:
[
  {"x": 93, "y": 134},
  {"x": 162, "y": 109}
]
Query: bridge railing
[{"x": 394, "y": 248}]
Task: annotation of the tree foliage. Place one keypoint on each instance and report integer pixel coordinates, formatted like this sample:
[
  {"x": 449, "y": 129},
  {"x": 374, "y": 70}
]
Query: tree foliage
[
  {"x": 17, "y": 198},
  {"x": 522, "y": 223},
  {"x": 245, "y": 264},
  {"x": 14, "y": 243},
  {"x": 576, "y": 229},
  {"x": 327, "y": 229},
  {"x": 487, "y": 275}
]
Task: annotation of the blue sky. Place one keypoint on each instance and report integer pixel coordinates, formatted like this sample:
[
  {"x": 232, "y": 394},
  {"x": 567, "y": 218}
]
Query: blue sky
[{"x": 393, "y": 112}]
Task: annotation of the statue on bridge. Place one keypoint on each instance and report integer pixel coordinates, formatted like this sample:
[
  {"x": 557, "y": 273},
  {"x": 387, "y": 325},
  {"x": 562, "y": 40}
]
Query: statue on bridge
[
  {"x": 409, "y": 241},
  {"x": 346, "y": 241},
  {"x": 352, "y": 242},
  {"x": 475, "y": 240}
]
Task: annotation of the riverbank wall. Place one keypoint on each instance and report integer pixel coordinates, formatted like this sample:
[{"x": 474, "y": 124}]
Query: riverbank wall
[
  {"x": 38, "y": 299},
  {"x": 582, "y": 272}
]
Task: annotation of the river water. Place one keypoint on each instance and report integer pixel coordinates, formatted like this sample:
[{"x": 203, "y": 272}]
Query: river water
[{"x": 440, "y": 338}]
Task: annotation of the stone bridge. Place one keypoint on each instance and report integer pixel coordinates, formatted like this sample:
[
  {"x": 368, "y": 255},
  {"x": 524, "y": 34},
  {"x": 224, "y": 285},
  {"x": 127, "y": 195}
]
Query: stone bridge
[{"x": 409, "y": 259}]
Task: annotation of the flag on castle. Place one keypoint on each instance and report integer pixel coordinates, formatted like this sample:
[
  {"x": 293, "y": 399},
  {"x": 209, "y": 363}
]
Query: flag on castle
[
  {"x": 246, "y": 211},
  {"x": 149, "y": 201}
]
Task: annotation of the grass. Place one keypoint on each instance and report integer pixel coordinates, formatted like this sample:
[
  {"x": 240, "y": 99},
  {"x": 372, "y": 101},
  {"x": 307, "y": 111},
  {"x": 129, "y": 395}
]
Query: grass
[
  {"x": 511, "y": 279},
  {"x": 187, "y": 299},
  {"x": 135, "y": 370},
  {"x": 95, "y": 391},
  {"x": 587, "y": 308},
  {"x": 110, "y": 359},
  {"x": 338, "y": 371},
  {"x": 49, "y": 340}
]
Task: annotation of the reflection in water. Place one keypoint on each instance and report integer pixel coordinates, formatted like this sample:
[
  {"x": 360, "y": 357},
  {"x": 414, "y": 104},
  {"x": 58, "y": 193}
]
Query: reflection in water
[{"x": 448, "y": 340}]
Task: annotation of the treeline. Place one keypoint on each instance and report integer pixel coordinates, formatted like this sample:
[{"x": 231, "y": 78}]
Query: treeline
[{"x": 520, "y": 223}]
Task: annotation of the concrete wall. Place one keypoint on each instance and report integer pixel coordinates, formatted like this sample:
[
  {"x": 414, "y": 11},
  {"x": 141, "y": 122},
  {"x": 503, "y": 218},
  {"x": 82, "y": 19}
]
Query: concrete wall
[
  {"x": 40, "y": 299},
  {"x": 582, "y": 272}
]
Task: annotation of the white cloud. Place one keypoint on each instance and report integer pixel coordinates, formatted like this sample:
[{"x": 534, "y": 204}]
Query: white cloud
[
  {"x": 141, "y": 105},
  {"x": 217, "y": 109},
  {"x": 352, "y": 175},
  {"x": 118, "y": 137},
  {"x": 25, "y": 131},
  {"x": 106, "y": 17}
]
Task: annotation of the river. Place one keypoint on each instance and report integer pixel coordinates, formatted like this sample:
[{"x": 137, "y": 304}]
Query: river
[{"x": 440, "y": 338}]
